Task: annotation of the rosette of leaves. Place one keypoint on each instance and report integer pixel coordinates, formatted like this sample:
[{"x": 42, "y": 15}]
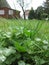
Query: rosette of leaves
[{"x": 5, "y": 54}]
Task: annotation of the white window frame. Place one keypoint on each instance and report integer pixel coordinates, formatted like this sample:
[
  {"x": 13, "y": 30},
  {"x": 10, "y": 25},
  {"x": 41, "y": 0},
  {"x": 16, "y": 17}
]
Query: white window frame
[
  {"x": 2, "y": 12},
  {"x": 10, "y": 12}
]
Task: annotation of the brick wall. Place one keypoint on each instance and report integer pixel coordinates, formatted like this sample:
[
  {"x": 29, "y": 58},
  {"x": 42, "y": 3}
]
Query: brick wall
[{"x": 6, "y": 14}]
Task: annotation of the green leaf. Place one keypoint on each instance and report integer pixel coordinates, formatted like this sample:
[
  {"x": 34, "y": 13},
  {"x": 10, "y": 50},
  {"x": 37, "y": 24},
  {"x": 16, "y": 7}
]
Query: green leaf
[
  {"x": 19, "y": 47},
  {"x": 27, "y": 32},
  {"x": 39, "y": 61},
  {"x": 21, "y": 63}
]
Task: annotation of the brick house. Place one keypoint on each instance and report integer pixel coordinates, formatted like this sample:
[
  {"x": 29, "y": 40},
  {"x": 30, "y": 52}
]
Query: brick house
[{"x": 6, "y": 11}]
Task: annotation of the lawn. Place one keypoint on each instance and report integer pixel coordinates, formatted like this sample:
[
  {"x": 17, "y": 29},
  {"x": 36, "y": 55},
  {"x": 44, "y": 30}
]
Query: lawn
[{"x": 6, "y": 24}]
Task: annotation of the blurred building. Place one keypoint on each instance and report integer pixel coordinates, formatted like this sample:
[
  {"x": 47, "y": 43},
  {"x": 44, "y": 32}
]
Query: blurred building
[
  {"x": 27, "y": 13},
  {"x": 6, "y": 11}
]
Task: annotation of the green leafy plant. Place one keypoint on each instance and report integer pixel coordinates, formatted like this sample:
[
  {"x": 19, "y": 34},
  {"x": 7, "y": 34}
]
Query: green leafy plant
[{"x": 23, "y": 46}]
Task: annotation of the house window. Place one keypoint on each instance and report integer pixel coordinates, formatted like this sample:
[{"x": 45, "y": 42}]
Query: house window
[
  {"x": 1, "y": 12},
  {"x": 10, "y": 12}
]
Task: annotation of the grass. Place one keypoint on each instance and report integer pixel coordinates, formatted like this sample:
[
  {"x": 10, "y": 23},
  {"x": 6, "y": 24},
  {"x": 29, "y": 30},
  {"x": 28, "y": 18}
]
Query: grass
[
  {"x": 28, "y": 40},
  {"x": 5, "y": 25}
]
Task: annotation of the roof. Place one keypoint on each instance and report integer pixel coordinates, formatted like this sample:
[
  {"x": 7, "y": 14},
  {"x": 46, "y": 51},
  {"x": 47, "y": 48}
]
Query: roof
[{"x": 3, "y": 3}]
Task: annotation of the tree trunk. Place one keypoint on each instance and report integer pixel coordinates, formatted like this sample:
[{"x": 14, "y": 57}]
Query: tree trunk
[{"x": 24, "y": 15}]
